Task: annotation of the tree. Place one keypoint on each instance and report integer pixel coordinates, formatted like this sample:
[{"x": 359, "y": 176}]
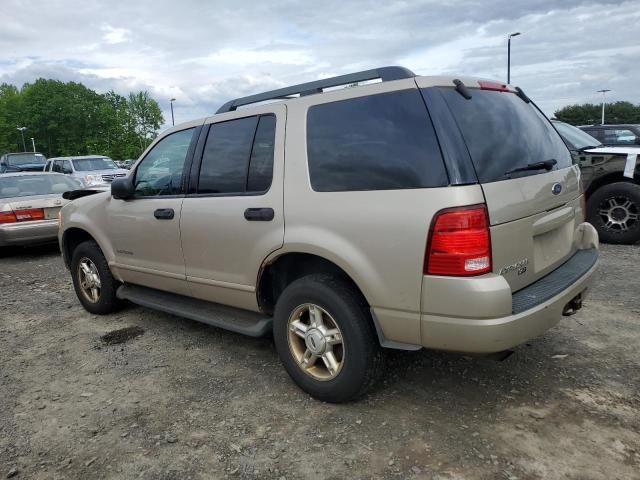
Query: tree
[
  {"x": 147, "y": 117},
  {"x": 71, "y": 119},
  {"x": 588, "y": 113}
]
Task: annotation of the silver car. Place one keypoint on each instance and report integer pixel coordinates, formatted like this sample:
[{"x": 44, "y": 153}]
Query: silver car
[
  {"x": 91, "y": 170},
  {"x": 29, "y": 206}
]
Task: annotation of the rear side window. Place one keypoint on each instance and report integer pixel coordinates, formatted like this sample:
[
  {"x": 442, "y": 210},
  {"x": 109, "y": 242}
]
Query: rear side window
[
  {"x": 238, "y": 156},
  {"x": 377, "y": 142},
  {"x": 502, "y": 133}
]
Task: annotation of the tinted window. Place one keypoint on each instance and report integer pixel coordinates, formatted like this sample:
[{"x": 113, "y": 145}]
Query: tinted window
[
  {"x": 25, "y": 158},
  {"x": 225, "y": 159},
  {"x": 261, "y": 164},
  {"x": 574, "y": 137},
  {"x": 619, "y": 136},
  {"x": 502, "y": 132},
  {"x": 89, "y": 164},
  {"x": 378, "y": 142},
  {"x": 160, "y": 172}
]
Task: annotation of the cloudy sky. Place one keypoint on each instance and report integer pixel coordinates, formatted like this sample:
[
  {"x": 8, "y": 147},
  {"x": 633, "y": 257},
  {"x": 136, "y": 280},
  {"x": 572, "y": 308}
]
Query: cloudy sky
[{"x": 204, "y": 52}]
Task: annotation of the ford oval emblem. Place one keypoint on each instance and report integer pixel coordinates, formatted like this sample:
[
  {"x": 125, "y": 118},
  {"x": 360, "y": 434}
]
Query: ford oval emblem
[{"x": 556, "y": 189}]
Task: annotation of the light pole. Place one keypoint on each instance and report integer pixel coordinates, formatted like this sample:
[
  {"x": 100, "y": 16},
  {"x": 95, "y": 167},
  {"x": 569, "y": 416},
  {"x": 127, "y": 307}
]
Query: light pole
[
  {"x": 24, "y": 146},
  {"x": 603, "y": 92},
  {"x": 509, "y": 55},
  {"x": 33, "y": 143},
  {"x": 172, "y": 120}
]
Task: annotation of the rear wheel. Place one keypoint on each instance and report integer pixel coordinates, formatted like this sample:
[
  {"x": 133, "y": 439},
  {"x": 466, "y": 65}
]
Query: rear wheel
[
  {"x": 614, "y": 210},
  {"x": 92, "y": 280},
  {"x": 325, "y": 338}
]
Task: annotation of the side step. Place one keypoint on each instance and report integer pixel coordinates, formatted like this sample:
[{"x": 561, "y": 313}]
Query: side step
[{"x": 235, "y": 320}]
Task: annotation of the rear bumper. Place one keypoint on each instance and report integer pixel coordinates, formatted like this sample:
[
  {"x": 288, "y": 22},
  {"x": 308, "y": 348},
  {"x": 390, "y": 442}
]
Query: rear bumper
[
  {"x": 28, "y": 233},
  {"x": 475, "y": 335}
]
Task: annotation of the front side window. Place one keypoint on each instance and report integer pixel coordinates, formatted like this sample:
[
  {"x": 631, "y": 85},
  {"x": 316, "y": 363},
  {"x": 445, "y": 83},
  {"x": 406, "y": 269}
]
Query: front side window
[
  {"x": 238, "y": 156},
  {"x": 377, "y": 142},
  {"x": 160, "y": 172}
]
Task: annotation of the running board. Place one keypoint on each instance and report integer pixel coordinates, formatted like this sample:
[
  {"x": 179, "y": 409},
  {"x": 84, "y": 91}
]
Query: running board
[{"x": 236, "y": 320}]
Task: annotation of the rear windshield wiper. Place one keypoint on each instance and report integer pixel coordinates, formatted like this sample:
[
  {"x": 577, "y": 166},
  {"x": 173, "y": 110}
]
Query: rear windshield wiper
[{"x": 543, "y": 165}]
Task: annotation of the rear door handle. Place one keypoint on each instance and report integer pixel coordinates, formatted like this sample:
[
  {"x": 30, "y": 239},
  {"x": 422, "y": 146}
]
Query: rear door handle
[
  {"x": 164, "y": 213},
  {"x": 259, "y": 214}
]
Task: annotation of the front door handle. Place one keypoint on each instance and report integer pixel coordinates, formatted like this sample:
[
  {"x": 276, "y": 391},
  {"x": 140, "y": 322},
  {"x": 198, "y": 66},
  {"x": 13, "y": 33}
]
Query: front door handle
[
  {"x": 259, "y": 214},
  {"x": 164, "y": 213}
]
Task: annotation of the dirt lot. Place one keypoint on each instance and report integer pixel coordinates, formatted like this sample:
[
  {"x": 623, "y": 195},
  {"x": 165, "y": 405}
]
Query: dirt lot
[{"x": 172, "y": 399}]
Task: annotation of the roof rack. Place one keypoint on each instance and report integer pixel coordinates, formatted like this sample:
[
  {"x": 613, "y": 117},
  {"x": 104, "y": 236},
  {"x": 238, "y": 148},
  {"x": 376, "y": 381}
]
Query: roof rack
[{"x": 385, "y": 74}]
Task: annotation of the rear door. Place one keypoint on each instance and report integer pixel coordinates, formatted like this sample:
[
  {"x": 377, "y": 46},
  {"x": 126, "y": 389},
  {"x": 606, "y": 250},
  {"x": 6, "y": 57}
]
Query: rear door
[
  {"x": 533, "y": 212},
  {"x": 233, "y": 216}
]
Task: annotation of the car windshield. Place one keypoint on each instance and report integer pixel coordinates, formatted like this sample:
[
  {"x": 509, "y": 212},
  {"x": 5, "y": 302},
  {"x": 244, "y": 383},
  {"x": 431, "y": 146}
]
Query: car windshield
[
  {"x": 27, "y": 185},
  {"x": 89, "y": 164},
  {"x": 504, "y": 134},
  {"x": 25, "y": 158},
  {"x": 574, "y": 137}
]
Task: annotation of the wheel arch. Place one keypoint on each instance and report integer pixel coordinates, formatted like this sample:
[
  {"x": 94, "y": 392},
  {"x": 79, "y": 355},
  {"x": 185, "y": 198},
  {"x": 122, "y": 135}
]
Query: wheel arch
[
  {"x": 71, "y": 238},
  {"x": 609, "y": 178}
]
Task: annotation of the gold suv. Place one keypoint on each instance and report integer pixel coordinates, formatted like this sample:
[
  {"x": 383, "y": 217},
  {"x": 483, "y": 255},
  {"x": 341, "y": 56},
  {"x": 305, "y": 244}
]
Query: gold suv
[{"x": 406, "y": 212}]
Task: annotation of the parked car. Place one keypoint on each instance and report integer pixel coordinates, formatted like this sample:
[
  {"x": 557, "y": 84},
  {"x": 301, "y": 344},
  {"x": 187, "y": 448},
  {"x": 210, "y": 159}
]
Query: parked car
[
  {"x": 615, "y": 135},
  {"x": 613, "y": 199},
  {"x": 22, "y": 162},
  {"x": 29, "y": 206},
  {"x": 128, "y": 163},
  {"x": 91, "y": 170},
  {"x": 413, "y": 212}
]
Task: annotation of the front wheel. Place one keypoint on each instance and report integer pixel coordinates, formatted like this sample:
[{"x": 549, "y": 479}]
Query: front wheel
[
  {"x": 325, "y": 338},
  {"x": 92, "y": 280},
  {"x": 614, "y": 210}
]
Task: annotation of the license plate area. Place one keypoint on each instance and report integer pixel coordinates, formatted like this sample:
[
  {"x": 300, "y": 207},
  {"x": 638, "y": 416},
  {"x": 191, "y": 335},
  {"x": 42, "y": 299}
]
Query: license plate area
[
  {"x": 51, "y": 213},
  {"x": 553, "y": 246}
]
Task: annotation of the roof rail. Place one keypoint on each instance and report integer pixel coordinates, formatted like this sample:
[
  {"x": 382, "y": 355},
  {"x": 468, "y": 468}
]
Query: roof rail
[{"x": 385, "y": 74}]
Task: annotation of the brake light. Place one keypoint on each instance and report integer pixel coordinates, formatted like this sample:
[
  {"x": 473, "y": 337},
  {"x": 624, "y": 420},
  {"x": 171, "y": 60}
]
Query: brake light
[
  {"x": 27, "y": 215},
  {"x": 8, "y": 217},
  {"x": 495, "y": 86},
  {"x": 459, "y": 242}
]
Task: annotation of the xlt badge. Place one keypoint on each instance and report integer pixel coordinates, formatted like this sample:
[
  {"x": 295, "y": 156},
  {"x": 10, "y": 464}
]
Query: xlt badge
[{"x": 519, "y": 267}]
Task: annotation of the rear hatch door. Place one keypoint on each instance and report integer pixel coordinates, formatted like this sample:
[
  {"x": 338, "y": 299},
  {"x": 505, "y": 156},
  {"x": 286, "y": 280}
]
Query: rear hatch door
[{"x": 534, "y": 208}]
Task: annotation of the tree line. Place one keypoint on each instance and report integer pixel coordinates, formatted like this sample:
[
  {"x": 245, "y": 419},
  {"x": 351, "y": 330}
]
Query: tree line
[
  {"x": 589, "y": 113},
  {"x": 67, "y": 118}
]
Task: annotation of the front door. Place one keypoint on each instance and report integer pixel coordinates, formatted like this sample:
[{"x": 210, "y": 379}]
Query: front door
[
  {"x": 146, "y": 229},
  {"x": 233, "y": 216}
]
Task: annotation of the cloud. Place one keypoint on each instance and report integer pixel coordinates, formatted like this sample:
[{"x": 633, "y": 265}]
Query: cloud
[{"x": 204, "y": 53}]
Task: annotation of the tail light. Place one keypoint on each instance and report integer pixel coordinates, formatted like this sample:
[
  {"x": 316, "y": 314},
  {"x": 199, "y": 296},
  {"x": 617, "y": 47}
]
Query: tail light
[
  {"x": 459, "y": 242},
  {"x": 27, "y": 215}
]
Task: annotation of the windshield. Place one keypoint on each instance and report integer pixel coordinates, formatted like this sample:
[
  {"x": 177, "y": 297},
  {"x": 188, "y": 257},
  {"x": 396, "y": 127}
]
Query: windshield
[
  {"x": 25, "y": 158},
  {"x": 89, "y": 164},
  {"x": 574, "y": 137},
  {"x": 27, "y": 185},
  {"x": 503, "y": 132}
]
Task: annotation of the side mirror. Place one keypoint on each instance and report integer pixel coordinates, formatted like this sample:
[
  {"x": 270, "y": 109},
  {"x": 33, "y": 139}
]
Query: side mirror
[{"x": 122, "y": 188}]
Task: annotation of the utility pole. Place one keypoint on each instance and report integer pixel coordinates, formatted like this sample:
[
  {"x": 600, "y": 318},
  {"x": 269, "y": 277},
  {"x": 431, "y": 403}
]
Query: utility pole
[
  {"x": 24, "y": 146},
  {"x": 509, "y": 55},
  {"x": 172, "y": 119},
  {"x": 33, "y": 143},
  {"x": 603, "y": 92}
]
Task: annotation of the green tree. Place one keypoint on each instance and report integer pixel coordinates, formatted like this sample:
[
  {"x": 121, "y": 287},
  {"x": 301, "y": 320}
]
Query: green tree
[
  {"x": 588, "y": 113},
  {"x": 147, "y": 117}
]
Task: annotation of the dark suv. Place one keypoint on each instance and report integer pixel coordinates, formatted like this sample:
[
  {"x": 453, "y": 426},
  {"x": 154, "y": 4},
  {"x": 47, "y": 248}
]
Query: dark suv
[
  {"x": 626, "y": 135},
  {"x": 22, "y": 162}
]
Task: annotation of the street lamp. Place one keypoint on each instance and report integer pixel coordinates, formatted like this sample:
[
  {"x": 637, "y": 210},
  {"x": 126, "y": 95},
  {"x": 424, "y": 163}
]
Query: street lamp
[
  {"x": 22, "y": 129},
  {"x": 509, "y": 55},
  {"x": 172, "y": 119},
  {"x": 33, "y": 143},
  {"x": 603, "y": 92}
]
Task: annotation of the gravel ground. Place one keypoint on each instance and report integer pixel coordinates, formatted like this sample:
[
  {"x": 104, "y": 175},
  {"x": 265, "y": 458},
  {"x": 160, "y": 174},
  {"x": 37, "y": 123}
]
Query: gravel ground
[{"x": 141, "y": 394}]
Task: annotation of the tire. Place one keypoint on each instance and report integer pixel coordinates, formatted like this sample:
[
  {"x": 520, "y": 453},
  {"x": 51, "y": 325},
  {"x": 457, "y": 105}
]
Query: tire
[
  {"x": 614, "y": 210},
  {"x": 358, "y": 354},
  {"x": 89, "y": 254}
]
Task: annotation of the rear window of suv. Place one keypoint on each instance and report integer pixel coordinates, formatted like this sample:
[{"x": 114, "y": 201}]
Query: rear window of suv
[
  {"x": 376, "y": 142},
  {"x": 502, "y": 132}
]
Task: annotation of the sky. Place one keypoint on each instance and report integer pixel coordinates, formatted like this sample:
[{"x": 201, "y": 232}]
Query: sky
[{"x": 205, "y": 52}]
